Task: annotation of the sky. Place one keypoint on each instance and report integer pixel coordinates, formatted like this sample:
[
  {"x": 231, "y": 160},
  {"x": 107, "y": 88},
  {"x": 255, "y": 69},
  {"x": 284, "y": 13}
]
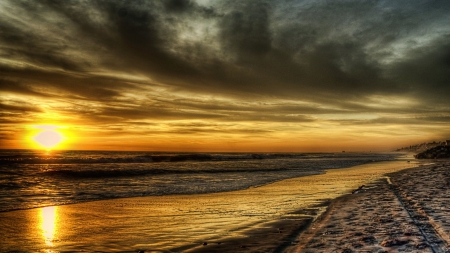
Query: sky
[{"x": 235, "y": 76}]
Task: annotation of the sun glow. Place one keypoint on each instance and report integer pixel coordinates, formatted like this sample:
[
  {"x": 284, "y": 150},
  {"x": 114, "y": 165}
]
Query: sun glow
[
  {"x": 47, "y": 136},
  {"x": 48, "y": 220}
]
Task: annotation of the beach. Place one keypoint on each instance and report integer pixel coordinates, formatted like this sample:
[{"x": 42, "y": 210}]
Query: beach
[
  {"x": 268, "y": 218},
  {"x": 406, "y": 212},
  {"x": 201, "y": 126}
]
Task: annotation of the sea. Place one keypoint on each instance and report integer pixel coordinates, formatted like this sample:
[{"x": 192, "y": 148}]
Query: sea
[{"x": 37, "y": 178}]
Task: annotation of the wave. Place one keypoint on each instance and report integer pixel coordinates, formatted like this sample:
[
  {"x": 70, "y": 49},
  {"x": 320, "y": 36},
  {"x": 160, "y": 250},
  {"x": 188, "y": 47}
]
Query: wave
[
  {"x": 111, "y": 173},
  {"x": 29, "y": 179},
  {"x": 31, "y": 159},
  {"x": 156, "y": 158}
]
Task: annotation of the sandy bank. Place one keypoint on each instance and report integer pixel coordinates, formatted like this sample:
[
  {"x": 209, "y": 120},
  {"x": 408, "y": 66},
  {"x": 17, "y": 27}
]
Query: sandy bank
[{"x": 409, "y": 212}]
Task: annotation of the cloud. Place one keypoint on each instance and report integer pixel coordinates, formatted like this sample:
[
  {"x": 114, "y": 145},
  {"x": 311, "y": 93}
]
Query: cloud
[
  {"x": 227, "y": 61},
  {"x": 19, "y": 108},
  {"x": 310, "y": 51},
  {"x": 56, "y": 84},
  {"x": 427, "y": 71}
]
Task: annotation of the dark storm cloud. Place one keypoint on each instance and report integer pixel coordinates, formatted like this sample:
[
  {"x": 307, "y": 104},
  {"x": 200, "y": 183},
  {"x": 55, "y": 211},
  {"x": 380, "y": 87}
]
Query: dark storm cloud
[
  {"x": 36, "y": 43},
  {"x": 56, "y": 84},
  {"x": 245, "y": 30},
  {"x": 17, "y": 87},
  {"x": 332, "y": 53},
  {"x": 427, "y": 71},
  {"x": 19, "y": 108}
]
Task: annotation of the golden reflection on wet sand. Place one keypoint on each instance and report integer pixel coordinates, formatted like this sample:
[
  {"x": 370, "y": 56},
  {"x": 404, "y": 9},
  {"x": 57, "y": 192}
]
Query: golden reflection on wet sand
[
  {"x": 48, "y": 220},
  {"x": 162, "y": 223}
]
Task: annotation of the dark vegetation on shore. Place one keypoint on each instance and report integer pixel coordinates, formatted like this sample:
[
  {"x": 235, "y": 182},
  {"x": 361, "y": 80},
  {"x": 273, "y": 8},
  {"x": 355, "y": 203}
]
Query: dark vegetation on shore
[
  {"x": 422, "y": 146},
  {"x": 430, "y": 150},
  {"x": 435, "y": 153}
]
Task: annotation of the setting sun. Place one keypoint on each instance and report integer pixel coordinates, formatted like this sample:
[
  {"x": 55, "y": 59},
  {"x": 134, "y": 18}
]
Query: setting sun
[{"x": 48, "y": 137}]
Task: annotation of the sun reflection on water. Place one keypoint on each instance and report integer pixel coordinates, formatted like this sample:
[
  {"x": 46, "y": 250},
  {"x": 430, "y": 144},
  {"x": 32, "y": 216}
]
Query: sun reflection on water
[{"x": 48, "y": 223}]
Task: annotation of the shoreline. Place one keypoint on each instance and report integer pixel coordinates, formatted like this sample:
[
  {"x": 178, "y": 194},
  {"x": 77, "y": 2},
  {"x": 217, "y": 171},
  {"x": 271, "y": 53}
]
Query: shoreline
[
  {"x": 69, "y": 177},
  {"x": 293, "y": 229},
  {"x": 177, "y": 194},
  {"x": 400, "y": 156},
  {"x": 185, "y": 223}
]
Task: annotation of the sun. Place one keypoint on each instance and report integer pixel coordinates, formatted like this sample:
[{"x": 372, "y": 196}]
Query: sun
[{"x": 48, "y": 137}]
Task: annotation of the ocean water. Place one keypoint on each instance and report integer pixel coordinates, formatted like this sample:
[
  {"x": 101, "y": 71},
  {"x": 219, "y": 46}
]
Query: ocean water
[{"x": 30, "y": 178}]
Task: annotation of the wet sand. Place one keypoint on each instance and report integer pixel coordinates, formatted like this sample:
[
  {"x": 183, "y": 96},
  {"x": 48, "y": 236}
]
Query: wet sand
[
  {"x": 407, "y": 212},
  {"x": 262, "y": 219}
]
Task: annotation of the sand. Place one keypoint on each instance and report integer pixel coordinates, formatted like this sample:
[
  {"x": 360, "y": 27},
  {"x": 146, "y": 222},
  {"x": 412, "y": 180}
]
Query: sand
[
  {"x": 262, "y": 219},
  {"x": 407, "y": 212}
]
